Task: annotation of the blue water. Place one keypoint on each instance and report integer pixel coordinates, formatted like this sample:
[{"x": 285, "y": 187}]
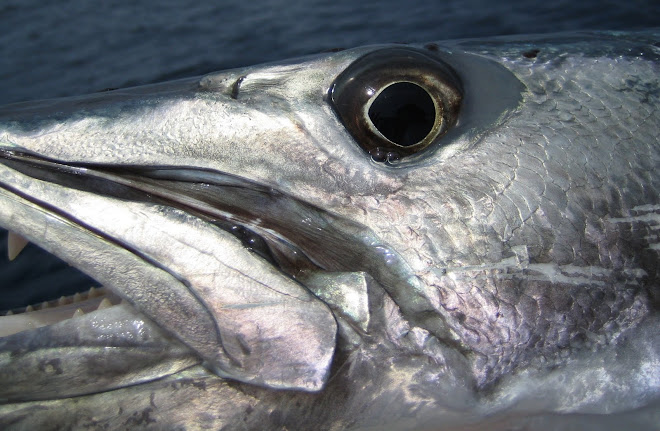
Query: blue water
[{"x": 52, "y": 48}]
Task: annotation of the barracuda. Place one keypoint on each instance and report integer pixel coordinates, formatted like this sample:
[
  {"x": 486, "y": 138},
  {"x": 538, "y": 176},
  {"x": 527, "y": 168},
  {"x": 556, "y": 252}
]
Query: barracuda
[{"x": 456, "y": 235}]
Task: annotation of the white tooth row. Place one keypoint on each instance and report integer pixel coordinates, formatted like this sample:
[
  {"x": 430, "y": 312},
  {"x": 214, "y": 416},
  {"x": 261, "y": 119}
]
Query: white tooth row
[
  {"x": 74, "y": 299},
  {"x": 51, "y": 312}
]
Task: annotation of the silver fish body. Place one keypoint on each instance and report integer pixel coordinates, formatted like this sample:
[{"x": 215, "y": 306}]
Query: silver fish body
[{"x": 286, "y": 263}]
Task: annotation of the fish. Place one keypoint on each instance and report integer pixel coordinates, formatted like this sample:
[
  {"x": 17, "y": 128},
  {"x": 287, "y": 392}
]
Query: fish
[{"x": 456, "y": 235}]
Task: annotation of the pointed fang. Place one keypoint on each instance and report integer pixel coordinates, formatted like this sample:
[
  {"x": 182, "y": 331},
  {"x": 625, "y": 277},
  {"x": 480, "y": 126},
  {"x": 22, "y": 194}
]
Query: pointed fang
[
  {"x": 64, "y": 301},
  {"x": 104, "y": 304},
  {"x": 15, "y": 244}
]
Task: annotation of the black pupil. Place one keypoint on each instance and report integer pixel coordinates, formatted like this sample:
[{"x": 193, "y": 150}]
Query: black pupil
[{"x": 404, "y": 113}]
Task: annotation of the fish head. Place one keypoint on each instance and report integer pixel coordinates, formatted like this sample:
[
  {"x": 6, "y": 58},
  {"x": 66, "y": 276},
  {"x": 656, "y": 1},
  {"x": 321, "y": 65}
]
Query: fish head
[{"x": 467, "y": 214}]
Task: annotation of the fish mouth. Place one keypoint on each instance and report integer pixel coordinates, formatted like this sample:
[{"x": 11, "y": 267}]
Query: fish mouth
[
  {"x": 165, "y": 186},
  {"x": 260, "y": 217},
  {"x": 250, "y": 212},
  {"x": 281, "y": 232}
]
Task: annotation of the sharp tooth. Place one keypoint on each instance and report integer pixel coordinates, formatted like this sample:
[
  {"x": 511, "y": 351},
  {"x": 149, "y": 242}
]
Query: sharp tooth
[
  {"x": 77, "y": 297},
  {"x": 64, "y": 301},
  {"x": 9, "y": 313},
  {"x": 15, "y": 244},
  {"x": 29, "y": 308},
  {"x": 93, "y": 293},
  {"x": 104, "y": 304},
  {"x": 78, "y": 313},
  {"x": 44, "y": 305}
]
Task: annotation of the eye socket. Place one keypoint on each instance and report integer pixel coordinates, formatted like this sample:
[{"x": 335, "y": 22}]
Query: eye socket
[{"x": 396, "y": 102}]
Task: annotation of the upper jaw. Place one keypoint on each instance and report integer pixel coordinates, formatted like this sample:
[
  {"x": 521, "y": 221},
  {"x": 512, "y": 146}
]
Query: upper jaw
[{"x": 276, "y": 122}]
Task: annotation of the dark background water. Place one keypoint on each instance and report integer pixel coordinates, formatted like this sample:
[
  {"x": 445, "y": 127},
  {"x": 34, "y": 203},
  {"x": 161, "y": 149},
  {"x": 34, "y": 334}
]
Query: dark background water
[
  {"x": 52, "y": 48},
  {"x": 62, "y": 47}
]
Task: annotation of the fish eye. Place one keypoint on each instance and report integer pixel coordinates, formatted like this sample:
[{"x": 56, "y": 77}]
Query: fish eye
[{"x": 397, "y": 102}]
